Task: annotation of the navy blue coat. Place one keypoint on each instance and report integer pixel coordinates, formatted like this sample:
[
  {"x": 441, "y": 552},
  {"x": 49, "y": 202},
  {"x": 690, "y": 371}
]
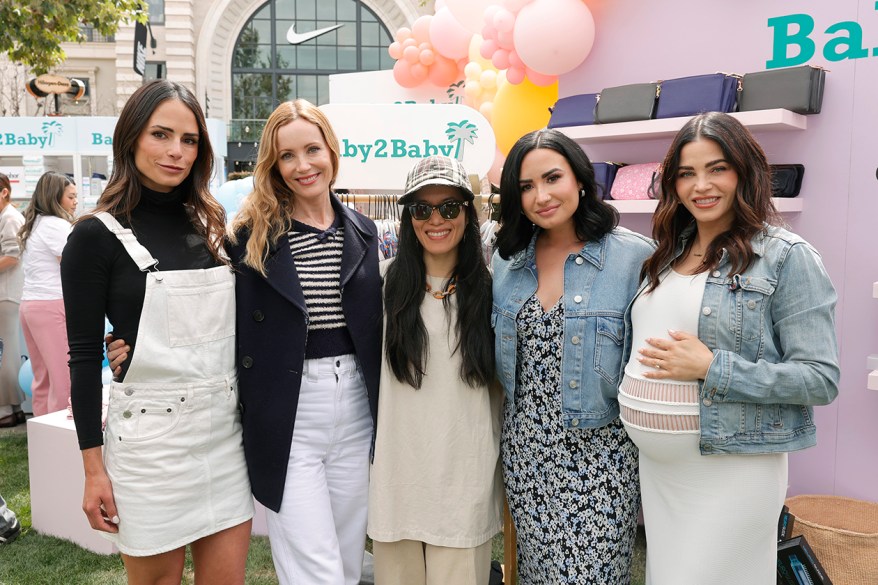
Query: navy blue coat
[{"x": 271, "y": 327}]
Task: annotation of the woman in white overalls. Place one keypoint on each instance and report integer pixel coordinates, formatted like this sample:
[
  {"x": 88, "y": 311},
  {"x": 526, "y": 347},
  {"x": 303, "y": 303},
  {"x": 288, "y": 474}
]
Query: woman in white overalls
[{"x": 171, "y": 471}]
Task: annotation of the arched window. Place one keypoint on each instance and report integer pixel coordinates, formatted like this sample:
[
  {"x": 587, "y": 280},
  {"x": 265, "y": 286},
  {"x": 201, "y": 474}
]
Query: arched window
[{"x": 267, "y": 68}]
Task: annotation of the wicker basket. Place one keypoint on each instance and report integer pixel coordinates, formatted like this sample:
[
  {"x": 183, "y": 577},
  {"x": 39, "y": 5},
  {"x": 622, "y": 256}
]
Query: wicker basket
[{"x": 843, "y": 533}]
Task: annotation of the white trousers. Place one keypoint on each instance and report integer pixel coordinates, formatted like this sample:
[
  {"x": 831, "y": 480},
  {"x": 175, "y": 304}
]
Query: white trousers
[{"x": 319, "y": 535}]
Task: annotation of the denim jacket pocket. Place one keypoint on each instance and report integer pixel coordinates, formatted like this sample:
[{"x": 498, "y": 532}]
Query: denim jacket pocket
[
  {"x": 609, "y": 340},
  {"x": 751, "y": 295}
]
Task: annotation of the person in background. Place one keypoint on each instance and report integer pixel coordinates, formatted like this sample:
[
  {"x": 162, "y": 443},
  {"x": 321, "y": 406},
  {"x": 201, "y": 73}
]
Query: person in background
[
  {"x": 735, "y": 343},
  {"x": 47, "y": 223},
  {"x": 563, "y": 276},
  {"x": 309, "y": 349},
  {"x": 11, "y": 281},
  {"x": 169, "y": 470},
  {"x": 435, "y": 492}
]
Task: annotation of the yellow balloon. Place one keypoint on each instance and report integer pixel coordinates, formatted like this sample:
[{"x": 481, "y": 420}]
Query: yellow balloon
[{"x": 519, "y": 109}]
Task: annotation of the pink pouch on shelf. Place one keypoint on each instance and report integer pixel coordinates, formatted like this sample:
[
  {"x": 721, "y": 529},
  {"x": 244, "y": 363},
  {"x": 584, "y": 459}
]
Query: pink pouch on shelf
[{"x": 640, "y": 181}]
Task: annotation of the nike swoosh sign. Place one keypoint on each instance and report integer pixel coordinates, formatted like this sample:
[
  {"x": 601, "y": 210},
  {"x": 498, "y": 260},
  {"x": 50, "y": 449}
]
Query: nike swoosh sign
[{"x": 295, "y": 38}]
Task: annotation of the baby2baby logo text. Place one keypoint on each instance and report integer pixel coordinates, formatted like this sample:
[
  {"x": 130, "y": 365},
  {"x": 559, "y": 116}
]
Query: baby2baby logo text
[{"x": 457, "y": 135}]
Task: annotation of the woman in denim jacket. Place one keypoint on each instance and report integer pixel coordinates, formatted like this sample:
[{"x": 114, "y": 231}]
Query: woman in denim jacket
[
  {"x": 563, "y": 276},
  {"x": 734, "y": 338}
]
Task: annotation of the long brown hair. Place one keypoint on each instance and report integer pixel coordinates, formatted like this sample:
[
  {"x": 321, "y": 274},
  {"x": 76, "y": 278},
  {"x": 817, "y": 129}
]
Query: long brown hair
[
  {"x": 267, "y": 212},
  {"x": 46, "y": 200},
  {"x": 122, "y": 193},
  {"x": 752, "y": 204}
]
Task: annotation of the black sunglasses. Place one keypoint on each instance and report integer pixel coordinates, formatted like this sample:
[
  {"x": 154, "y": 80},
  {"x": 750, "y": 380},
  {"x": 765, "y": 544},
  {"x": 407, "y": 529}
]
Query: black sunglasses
[{"x": 449, "y": 210}]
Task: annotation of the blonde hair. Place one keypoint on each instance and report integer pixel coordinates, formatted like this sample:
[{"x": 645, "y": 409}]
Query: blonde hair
[{"x": 267, "y": 212}]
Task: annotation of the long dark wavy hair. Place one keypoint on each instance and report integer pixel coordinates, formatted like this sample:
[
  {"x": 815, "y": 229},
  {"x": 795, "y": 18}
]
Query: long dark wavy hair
[
  {"x": 406, "y": 343},
  {"x": 752, "y": 204},
  {"x": 593, "y": 218},
  {"x": 122, "y": 193}
]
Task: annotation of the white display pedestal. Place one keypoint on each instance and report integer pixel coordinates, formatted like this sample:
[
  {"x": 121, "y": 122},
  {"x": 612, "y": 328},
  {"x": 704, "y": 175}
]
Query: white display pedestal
[{"x": 57, "y": 480}]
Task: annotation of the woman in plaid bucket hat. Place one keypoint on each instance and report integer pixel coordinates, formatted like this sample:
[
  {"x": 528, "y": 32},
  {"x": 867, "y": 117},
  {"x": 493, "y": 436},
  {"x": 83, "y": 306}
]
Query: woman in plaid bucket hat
[{"x": 435, "y": 493}]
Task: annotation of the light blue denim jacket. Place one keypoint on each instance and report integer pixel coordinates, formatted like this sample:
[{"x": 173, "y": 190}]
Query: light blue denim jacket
[
  {"x": 599, "y": 282},
  {"x": 775, "y": 356}
]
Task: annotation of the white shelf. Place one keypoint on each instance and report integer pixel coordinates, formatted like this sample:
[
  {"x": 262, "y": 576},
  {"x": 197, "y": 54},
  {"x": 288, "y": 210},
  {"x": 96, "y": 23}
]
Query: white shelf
[
  {"x": 783, "y": 204},
  {"x": 667, "y": 127}
]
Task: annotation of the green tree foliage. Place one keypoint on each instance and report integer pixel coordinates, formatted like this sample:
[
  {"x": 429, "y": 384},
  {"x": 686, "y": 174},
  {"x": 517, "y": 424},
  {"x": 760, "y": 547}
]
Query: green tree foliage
[{"x": 32, "y": 30}]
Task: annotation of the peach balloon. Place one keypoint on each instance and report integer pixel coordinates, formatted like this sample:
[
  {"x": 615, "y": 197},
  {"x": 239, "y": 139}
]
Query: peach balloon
[
  {"x": 403, "y": 33},
  {"x": 427, "y": 57},
  {"x": 421, "y": 28},
  {"x": 443, "y": 71},
  {"x": 402, "y": 73},
  {"x": 395, "y": 50}
]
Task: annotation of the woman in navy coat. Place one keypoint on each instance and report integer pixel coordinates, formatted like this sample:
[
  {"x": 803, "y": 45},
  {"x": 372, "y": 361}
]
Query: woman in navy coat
[{"x": 308, "y": 349}]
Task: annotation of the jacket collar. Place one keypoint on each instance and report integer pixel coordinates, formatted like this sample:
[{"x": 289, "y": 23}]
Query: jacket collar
[{"x": 592, "y": 251}]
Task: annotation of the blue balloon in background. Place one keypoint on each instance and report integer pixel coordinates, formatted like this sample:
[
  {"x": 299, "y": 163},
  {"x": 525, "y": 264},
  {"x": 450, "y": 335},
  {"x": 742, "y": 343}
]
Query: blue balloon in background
[
  {"x": 26, "y": 377},
  {"x": 231, "y": 193}
]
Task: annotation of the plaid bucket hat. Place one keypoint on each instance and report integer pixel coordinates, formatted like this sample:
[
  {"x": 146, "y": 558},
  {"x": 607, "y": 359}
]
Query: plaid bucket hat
[{"x": 436, "y": 170}]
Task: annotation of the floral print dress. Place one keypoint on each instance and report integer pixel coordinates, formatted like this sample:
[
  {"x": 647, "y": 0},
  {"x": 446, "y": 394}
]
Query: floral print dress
[{"x": 573, "y": 493}]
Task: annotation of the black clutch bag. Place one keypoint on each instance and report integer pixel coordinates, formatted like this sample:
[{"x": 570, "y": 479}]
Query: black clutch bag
[{"x": 786, "y": 180}]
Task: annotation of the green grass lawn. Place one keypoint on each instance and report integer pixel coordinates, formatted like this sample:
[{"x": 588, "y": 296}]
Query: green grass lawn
[{"x": 34, "y": 559}]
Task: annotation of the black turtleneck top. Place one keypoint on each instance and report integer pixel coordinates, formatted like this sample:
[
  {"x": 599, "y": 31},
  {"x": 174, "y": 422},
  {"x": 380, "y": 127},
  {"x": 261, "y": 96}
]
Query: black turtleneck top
[{"x": 99, "y": 278}]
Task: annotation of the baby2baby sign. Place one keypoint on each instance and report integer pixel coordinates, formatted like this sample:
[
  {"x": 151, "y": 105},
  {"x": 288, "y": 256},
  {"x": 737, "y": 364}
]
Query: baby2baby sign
[{"x": 379, "y": 143}]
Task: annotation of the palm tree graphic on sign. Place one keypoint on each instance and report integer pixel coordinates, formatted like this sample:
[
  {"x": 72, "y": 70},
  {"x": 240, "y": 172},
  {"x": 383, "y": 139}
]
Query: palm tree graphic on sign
[
  {"x": 455, "y": 92},
  {"x": 461, "y": 132},
  {"x": 51, "y": 129}
]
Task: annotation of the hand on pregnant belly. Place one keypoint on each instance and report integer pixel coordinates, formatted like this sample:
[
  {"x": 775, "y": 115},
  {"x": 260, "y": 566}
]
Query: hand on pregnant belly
[{"x": 682, "y": 356}]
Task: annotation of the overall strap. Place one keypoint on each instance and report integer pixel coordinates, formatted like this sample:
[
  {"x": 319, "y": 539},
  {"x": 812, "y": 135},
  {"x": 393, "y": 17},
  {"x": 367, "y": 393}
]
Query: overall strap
[{"x": 138, "y": 253}]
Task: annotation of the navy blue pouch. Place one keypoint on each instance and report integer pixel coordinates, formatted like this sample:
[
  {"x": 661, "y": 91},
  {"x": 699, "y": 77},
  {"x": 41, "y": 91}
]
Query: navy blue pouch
[
  {"x": 574, "y": 110},
  {"x": 688, "y": 96},
  {"x": 604, "y": 175}
]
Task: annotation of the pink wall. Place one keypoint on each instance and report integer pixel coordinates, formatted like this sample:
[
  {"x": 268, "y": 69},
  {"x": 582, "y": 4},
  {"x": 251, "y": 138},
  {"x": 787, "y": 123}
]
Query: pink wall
[{"x": 638, "y": 41}]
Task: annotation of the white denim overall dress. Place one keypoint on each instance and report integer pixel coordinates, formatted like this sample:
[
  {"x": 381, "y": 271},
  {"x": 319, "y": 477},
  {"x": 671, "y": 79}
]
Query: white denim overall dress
[{"x": 172, "y": 445}]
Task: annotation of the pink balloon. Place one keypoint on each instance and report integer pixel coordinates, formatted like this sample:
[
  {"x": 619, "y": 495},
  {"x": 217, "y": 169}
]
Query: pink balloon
[
  {"x": 395, "y": 50},
  {"x": 514, "y": 75},
  {"x": 503, "y": 20},
  {"x": 402, "y": 73},
  {"x": 421, "y": 28},
  {"x": 403, "y": 33},
  {"x": 411, "y": 54},
  {"x": 539, "y": 79},
  {"x": 515, "y": 60},
  {"x": 409, "y": 42},
  {"x": 470, "y": 13},
  {"x": 511, "y": 5},
  {"x": 500, "y": 59},
  {"x": 443, "y": 72},
  {"x": 449, "y": 37},
  {"x": 505, "y": 39},
  {"x": 553, "y": 37},
  {"x": 488, "y": 48}
]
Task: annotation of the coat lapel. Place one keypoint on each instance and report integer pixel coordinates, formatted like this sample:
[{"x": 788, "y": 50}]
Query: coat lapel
[{"x": 282, "y": 274}]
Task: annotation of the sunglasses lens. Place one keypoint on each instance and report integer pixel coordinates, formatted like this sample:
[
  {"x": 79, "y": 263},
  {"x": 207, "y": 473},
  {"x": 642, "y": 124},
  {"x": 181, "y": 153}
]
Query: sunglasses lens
[
  {"x": 420, "y": 211},
  {"x": 450, "y": 209}
]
